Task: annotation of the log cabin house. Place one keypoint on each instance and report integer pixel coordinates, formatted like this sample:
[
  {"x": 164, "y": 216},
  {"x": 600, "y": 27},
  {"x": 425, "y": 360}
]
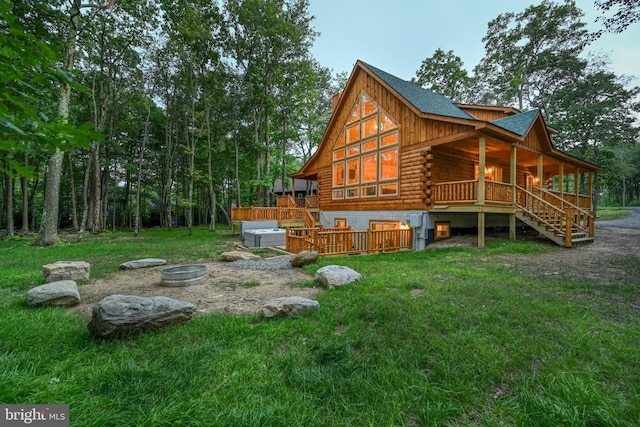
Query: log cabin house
[{"x": 398, "y": 156}]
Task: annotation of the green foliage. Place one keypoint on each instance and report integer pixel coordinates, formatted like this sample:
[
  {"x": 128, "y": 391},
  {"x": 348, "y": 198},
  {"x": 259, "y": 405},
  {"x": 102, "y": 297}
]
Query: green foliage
[
  {"x": 443, "y": 73},
  {"x": 28, "y": 76},
  {"x": 626, "y": 13},
  {"x": 445, "y": 337}
]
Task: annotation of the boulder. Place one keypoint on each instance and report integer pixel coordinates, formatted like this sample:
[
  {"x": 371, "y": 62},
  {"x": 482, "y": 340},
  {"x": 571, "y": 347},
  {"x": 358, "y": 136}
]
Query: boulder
[
  {"x": 66, "y": 270},
  {"x": 337, "y": 275},
  {"x": 239, "y": 255},
  {"x": 142, "y": 263},
  {"x": 304, "y": 258},
  {"x": 63, "y": 293},
  {"x": 125, "y": 315},
  {"x": 289, "y": 306}
]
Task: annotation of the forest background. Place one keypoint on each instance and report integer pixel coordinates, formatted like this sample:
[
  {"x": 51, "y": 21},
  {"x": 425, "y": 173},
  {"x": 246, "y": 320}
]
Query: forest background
[{"x": 132, "y": 113}]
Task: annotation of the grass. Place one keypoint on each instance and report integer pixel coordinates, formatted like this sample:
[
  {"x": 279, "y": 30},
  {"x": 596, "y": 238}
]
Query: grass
[
  {"x": 447, "y": 337},
  {"x": 610, "y": 212}
]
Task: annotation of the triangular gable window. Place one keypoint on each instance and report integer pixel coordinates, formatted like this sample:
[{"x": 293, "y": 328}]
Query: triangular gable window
[{"x": 365, "y": 153}]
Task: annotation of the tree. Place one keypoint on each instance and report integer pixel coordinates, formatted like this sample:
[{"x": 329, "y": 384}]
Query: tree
[
  {"x": 530, "y": 55},
  {"x": 627, "y": 13},
  {"x": 594, "y": 112},
  {"x": 444, "y": 74}
]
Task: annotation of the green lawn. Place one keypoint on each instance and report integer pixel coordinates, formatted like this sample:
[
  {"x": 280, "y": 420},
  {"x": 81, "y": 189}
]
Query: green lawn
[
  {"x": 446, "y": 337},
  {"x": 609, "y": 212}
]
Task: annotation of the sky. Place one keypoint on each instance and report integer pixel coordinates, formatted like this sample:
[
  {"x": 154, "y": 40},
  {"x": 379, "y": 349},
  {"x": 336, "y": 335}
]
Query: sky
[{"x": 396, "y": 35}]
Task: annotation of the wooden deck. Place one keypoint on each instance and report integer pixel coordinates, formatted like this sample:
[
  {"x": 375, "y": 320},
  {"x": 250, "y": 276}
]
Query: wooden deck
[{"x": 562, "y": 218}]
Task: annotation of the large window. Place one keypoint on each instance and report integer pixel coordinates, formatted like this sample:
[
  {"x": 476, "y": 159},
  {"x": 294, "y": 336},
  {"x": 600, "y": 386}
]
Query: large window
[{"x": 365, "y": 155}]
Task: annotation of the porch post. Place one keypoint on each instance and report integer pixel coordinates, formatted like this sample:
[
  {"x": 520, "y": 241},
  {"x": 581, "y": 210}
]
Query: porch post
[
  {"x": 482, "y": 163},
  {"x": 482, "y": 145},
  {"x": 513, "y": 179},
  {"x": 576, "y": 186},
  {"x": 561, "y": 179},
  {"x": 590, "y": 190},
  {"x": 540, "y": 171}
]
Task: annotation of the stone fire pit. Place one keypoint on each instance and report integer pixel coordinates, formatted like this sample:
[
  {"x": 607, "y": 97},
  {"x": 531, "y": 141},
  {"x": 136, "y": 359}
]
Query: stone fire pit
[{"x": 183, "y": 275}]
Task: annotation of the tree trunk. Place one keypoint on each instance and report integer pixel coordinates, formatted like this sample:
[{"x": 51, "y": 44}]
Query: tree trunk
[
  {"x": 212, "y": 192},
  {"x": 49, "y": 228},
  {"x": 237, "y": 171},
  {"x": 74, "y": 201},
  {"x": 25, "y": 199},
  {"x": 145, "y": 137},
  {"x": 11, "y": 228}
]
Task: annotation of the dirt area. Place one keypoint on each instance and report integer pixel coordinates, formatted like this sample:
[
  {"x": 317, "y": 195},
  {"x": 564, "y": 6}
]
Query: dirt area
[
  {"x": 613, "y": 258},
  {"x": 226, "y": 289}
]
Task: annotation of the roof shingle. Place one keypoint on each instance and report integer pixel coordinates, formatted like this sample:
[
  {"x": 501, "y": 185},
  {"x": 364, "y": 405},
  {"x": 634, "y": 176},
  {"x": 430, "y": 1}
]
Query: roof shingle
[{"x": 424, "y": 100}]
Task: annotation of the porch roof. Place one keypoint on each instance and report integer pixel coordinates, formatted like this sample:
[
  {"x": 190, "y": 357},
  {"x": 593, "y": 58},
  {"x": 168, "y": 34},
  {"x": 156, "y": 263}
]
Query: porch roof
[{"x": 518, "y": 123}]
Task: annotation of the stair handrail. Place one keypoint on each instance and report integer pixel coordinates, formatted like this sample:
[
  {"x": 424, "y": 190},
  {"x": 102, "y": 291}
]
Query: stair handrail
[
  {"x": 533, "y": 199},
  {"x": 582, "y": 216}
]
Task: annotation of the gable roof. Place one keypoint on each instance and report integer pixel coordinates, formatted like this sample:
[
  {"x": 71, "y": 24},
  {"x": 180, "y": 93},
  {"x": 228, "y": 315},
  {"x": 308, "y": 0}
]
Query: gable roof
[
  {"x": 518, "y": 123},
  {"x": 424, "y": 100}
]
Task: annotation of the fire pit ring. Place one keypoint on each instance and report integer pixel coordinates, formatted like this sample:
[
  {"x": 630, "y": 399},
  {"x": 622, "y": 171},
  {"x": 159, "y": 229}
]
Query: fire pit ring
[{"x": 183, "y": 275}]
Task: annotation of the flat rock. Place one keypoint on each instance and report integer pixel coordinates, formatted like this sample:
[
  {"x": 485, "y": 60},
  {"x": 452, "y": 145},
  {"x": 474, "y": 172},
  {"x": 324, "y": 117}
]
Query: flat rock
[
  {"x": 239, "y": 255},
  {"x": 66, "y": 270},
  {"x": 63, "y": 293},
  {"x": 337, "y": 275},
  {"x": 125, "y": 315},
  {"x": 142, "y": 263},
  {"x": 289, "y": 306},
  {"x": 304, "y": 258}
]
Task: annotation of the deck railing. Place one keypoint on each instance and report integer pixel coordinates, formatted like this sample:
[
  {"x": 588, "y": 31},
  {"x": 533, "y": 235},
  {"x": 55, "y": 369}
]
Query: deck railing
[
  {"x": 280, "y": 214},
  {"x": 344, "y": 241},
  {"x": 498, "y": 192},
  {"x": 456, "y": 192},
  {"x": 582, "y": 218}
]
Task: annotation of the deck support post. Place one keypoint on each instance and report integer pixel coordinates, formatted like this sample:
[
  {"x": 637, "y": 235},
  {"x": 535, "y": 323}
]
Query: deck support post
[
  {"x": 481, "y": 224},
  {"x": 512, "y": 226}
]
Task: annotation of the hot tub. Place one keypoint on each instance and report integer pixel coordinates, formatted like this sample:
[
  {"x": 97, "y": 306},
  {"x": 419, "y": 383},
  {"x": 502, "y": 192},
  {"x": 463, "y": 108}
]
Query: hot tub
[{"x": 264, "y": 237}]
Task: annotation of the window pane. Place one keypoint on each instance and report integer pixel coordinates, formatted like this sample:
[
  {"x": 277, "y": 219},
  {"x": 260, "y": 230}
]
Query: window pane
[
  {"x": 338, "y": 174},
  {"x": 369, "y": 191},
  {"x": 355, "y": 113},
  {"x": 369, "y": 145},
  {"x": 338, "y": 194},
  {"x": 389, "y": 164},
  {"x": 386, "y": 123},
  {"x": 370, "y": 127},
  {"x": 340, "y": 141},
  {"x": 353, "y": 133},
  {"x": 352, "y": 192},
  {"x": 388, "y": 189},
  {"x": 352, "y": 151},
  {"x": 368, "y": 106},
  {"x": 337, "y": 155},
  {"x": 353, "y": 167},
  {"x": 369, "y": 168},
  {"x": 389, "y": 139}
]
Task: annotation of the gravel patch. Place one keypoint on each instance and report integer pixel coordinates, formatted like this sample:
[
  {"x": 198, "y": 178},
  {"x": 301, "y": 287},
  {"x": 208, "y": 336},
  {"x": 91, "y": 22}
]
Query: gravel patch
[
  {"x": 632, "y": 221},
  {"x": 272, "y": 264}
]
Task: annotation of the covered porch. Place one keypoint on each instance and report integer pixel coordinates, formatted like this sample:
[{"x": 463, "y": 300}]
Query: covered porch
[{"x": 550, "y": 192}]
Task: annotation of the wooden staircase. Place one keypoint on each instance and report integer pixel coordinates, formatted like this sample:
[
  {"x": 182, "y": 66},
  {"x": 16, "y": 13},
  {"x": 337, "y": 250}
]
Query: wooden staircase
[{"x": 558, "y": 220}]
